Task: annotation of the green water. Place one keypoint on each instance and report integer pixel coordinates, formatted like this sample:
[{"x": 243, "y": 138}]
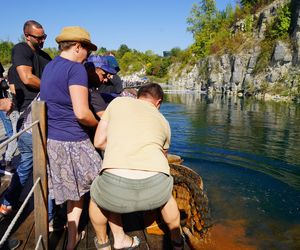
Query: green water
[{"x": 248, "y": 154}]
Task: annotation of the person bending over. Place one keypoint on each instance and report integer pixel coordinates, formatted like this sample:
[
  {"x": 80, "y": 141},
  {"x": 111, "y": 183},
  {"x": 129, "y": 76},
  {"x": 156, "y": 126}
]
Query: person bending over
[{"x": 135, "y": 174}]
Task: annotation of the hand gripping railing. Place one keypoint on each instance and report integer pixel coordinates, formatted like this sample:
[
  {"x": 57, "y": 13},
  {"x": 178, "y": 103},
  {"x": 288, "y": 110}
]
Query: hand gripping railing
[{"x": 39, "y": 176}]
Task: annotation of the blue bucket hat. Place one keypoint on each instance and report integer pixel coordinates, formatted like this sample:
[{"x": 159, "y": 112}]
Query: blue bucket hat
[
  {"x": 113, "y": 62},
  {"x": 102, "y": 63}
]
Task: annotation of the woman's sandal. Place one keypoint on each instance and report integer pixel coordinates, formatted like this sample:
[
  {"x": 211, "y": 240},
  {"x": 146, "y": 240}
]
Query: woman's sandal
[
  {"x": 135, "y": 240},
  {"x": 101, "y": 246}
]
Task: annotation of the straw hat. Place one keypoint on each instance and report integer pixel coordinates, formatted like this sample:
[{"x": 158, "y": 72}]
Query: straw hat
[{"x": 76, "y": 34}]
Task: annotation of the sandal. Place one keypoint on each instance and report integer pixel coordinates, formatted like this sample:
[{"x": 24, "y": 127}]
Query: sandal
[
  {"x": 135, "y": 240},
  {"x": 100, "y": 246}
]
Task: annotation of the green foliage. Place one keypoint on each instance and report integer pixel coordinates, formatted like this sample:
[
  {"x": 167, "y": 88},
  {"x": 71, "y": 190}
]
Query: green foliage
[
  {"x": 53, "y": 52},
  {"x": 282, "y": 23},
  {"x": 201, "y": 15},
  {"x": 254, "y": 5},
  {"x": 264, "y": 58},
  {"x": 101, "y": 51},
  {"x": 202, "y": 43},
  {"x": 5, "y": 52},
  {"x": 123, "y": 49},
  {"x": 175, "y": 52},
  {"x": 130, "y": 63},
  {"x": 279, "y": 89},
  {"x": 156, "y": 67},
  {"x": 249, "y": 22},
  {"x": 212, "y": 29},
  {"x": 250, "y": 2},
  {"x": 264, "y": 88}
]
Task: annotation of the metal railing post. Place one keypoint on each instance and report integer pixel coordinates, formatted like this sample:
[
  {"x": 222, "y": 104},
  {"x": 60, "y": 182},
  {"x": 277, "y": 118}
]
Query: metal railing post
[{"x": 40, "y": 171}]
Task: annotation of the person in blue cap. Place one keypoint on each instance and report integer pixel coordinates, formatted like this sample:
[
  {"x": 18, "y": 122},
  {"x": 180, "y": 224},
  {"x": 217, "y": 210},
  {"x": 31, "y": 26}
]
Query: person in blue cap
[{"x": 100, "y": 73}]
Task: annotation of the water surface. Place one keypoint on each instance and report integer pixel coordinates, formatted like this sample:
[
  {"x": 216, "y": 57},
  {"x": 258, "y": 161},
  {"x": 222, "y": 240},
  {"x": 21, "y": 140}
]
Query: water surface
[{"x": 248, "y": 154}]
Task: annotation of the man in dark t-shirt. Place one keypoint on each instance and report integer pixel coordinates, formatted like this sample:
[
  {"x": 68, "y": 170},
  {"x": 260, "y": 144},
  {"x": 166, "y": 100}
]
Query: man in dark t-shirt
[
  {"x": 27, "y": 68},
  {"x": 28, "y": 61}
]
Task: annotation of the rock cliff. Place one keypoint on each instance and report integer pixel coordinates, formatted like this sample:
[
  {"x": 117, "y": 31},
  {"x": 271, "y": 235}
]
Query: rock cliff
[{"x": 236, "y": 72}]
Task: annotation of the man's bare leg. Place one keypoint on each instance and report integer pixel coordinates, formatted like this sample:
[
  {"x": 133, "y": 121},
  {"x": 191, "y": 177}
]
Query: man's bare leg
[
  {"x": 99, "y": 222},
  {"x": 171, "y": 216}
]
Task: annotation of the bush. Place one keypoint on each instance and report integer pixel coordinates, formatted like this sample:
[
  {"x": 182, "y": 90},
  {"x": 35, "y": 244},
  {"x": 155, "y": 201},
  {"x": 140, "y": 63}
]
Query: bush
[
  {"x": 282, "y": 23},
  {"x": 53, "y": 52},
  {"x": 5, "y": 52}
]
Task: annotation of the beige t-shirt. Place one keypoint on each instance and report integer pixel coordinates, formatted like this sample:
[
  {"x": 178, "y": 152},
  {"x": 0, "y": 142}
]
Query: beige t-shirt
[{"x": 136, "y": 136}]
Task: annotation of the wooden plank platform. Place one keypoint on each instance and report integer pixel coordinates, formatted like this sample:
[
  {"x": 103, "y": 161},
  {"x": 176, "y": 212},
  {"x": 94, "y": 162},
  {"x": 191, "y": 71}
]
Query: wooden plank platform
[
  {"x": 133, "y": 225},
  {"x": 58, "y": 239},
  {"x": 24, "y": 230}
]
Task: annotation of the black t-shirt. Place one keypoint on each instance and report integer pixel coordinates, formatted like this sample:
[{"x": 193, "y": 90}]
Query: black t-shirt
[
  {"x": 96, "y": 101},
  {"x": 22, "y": 54}
]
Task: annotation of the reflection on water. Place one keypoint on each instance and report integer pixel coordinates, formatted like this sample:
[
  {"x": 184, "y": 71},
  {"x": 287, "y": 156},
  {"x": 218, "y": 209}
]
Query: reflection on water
[{"x": 248, "y": 153}]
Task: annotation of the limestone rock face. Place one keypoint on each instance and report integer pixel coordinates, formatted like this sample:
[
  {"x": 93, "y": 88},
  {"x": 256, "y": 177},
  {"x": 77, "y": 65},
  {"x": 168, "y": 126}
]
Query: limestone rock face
[
  {"x": 238, "y": 68},
  {"x": 238, "y": 72}
]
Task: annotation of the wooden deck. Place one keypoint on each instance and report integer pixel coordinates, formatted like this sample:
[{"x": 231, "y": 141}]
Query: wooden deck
[{"x": 133, "y": 225}]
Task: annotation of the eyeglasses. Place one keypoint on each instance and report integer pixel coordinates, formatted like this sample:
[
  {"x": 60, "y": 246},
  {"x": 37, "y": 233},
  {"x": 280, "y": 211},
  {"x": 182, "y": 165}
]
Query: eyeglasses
[{"x": 43, "y": 37}]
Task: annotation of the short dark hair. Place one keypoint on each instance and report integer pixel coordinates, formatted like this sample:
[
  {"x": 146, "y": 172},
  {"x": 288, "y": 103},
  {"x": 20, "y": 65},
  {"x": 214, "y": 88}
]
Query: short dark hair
[
  {"x": 66, "y": 45},
  {"x": 151, "y": 89},
  {"x": 30, "y": 23}
]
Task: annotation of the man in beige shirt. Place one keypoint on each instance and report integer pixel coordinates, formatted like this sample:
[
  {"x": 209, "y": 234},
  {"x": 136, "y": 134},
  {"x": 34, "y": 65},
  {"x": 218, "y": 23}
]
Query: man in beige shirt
[{"x": 135, "y": 174}]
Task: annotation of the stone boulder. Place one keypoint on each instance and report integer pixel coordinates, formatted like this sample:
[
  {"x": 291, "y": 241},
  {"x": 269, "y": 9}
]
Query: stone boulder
[{"x": 281, "y": 54}]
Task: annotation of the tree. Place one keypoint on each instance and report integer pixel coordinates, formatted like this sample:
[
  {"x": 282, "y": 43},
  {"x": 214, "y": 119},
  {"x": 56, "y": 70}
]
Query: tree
[
  {"x": 282, "y": 22},
  {"x": 122, "y": 50},
  {"x": 131, "y": 62},
  {"x": 175, "y": 52},
  {"x": 248, "y": 2},
  {"x": 101, "y": 51},
  {"x": 201, "y": 15}
]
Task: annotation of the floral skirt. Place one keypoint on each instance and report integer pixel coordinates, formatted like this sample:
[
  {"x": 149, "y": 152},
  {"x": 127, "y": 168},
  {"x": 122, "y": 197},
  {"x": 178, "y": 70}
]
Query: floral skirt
[{"x": 72, "y": 166}]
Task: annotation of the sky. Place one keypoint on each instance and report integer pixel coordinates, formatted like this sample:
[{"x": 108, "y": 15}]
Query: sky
[{"x": 157, "y": 25}]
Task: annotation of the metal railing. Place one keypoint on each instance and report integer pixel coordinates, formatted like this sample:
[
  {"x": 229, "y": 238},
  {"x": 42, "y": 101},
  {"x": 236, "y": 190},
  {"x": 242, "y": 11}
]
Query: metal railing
[{"x": 40, "y": 187}]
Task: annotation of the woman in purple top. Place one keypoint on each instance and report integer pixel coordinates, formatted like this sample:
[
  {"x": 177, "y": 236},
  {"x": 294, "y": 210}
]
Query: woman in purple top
[{"x": 73, "y": 161}]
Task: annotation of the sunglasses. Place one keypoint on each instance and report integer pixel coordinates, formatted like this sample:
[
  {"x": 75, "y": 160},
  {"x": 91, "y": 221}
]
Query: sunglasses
[{"x": 43, "y": 37}]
